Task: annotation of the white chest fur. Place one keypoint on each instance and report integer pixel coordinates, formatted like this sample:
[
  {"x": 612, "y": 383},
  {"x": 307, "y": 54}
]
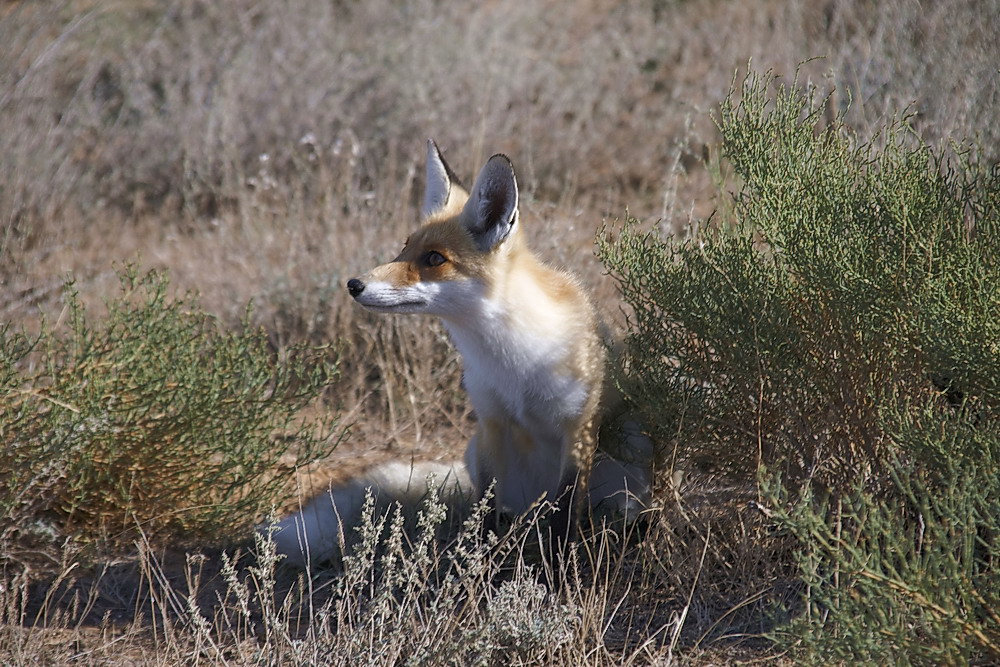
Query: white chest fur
[
  {"x": 520, "y": 380},
  {"x": 518, "y": 371}
]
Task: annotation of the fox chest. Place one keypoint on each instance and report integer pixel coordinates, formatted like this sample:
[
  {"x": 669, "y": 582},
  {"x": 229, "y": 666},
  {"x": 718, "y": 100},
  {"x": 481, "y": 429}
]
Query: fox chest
[
  {"x": 529, "y": 414},
  {"x": 526, "y": 383}
]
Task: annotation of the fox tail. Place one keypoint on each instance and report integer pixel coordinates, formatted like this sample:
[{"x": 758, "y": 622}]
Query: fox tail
[{"x": 315, "y": 533}]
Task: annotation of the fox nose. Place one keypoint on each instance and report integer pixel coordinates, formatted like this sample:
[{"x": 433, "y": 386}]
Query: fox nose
[{"x": 355, "y": 287}]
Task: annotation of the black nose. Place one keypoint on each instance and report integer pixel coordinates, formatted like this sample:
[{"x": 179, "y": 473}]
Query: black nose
[{"x": 355, "y": 287}]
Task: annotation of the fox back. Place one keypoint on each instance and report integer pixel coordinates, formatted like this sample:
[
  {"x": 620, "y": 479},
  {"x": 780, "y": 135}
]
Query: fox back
[{"x": 533, "y": 359}]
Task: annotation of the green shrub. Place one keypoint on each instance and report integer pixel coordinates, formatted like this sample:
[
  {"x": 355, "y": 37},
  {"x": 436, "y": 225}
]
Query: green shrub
[
  {"x": 909, "y": 576},
  {"x": 153, "y": 417},
  {"x": 834, "y": 333},
  {"x": 848, "y": 276}
]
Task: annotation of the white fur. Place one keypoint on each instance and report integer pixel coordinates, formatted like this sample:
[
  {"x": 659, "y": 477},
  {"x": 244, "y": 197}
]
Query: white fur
[
  {"x": 516, "y": 372},
  {"x": 454, "y": 298},
  {"x": 391, "y": 298},
  {"x": 513, "y": 373},
  {"x": 313, "y": 535}
]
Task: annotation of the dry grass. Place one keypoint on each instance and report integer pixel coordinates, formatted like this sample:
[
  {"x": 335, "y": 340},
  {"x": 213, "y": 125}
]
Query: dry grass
[
  {"x": 404, "y": 598},
  {"x": 269, "y": 151}
]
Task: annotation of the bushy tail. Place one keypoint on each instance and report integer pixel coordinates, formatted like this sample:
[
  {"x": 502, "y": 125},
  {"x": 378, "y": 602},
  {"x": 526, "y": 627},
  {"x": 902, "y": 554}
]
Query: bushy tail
[
  {"x": 313, "y": 535},
  {"x": 619, "y": 491}
]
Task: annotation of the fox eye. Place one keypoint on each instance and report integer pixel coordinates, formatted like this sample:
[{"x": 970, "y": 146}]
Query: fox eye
[{"x": 434, "y": 258}]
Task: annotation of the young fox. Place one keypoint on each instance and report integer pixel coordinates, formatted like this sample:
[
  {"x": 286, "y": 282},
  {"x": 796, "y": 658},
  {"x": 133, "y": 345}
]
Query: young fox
[{"x": 534, "y": 363}]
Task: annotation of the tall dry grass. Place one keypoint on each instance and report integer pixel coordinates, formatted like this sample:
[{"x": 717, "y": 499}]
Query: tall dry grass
[
  {"x": 402, "y": 597},
  {"x": 269, "y": 151}
]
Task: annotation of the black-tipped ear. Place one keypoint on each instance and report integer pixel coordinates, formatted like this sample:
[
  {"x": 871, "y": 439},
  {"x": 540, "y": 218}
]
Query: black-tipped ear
[
  {"x": 440, "y": 180},
  {"x": 491, "y": 212}
]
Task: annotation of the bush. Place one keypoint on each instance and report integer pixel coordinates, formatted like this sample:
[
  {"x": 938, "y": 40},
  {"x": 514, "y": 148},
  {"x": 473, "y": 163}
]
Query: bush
[
  {"x": 849, "y": 276},
  {"x": 153, "y": 418},
  {"x": 910, "y": 577},
  {"x": 834, "y": 333}
]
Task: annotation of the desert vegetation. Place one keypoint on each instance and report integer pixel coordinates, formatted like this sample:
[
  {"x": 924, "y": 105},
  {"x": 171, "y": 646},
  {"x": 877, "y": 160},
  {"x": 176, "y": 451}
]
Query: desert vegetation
[{"x": 795, "y": 208}]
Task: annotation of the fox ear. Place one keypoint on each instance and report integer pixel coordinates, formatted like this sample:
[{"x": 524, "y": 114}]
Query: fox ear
[
  {"x": 440, "y": 179},
  {"x": 491, "y": 212}
]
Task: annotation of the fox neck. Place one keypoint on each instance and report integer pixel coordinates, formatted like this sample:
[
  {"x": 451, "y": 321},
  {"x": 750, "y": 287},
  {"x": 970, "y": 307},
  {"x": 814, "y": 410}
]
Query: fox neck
[
  {"x": 518, "y": 343},
  {"x": 507, "y": 305}
]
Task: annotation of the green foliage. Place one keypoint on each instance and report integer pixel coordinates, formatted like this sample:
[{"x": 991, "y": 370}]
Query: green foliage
[
  {"x": 835, "y": 334},
  {"x": 850, "y": 276},
  {"x": 911, "y": 576},
  {"x": 153, "y": 416}
]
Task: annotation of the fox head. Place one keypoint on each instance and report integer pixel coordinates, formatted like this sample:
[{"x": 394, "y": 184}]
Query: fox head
[{"x": 448, "y": 265}]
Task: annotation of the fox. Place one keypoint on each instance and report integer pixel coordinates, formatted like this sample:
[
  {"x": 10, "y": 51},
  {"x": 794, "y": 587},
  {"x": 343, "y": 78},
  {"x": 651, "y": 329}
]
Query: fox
[{"x": 535, "y": 368}]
